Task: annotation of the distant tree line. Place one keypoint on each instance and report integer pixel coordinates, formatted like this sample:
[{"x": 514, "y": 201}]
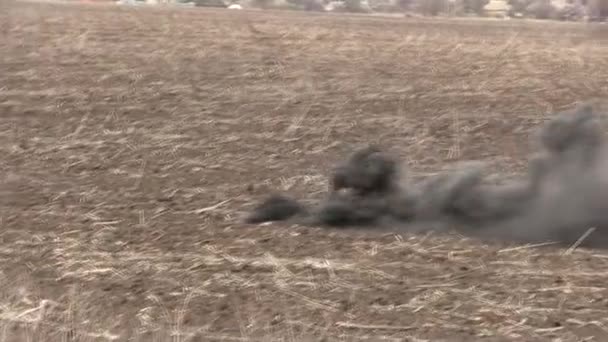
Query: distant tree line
[{"x": 539, "y": 9}]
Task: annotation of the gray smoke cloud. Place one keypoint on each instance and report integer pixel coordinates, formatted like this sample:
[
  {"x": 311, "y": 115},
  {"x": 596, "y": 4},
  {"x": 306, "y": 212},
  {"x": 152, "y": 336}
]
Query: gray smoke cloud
[
  {"x": 568, "y": 185},
  {"x": 563, "y": 195}
]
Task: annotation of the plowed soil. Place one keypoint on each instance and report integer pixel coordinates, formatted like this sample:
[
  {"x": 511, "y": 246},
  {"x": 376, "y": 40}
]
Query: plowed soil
[{"x": 132, "y": 140}]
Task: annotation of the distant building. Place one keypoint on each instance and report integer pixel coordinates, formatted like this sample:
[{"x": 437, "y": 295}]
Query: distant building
[
  {"x": 497, "y": 8},
  {"x": 559, "y": 4}
]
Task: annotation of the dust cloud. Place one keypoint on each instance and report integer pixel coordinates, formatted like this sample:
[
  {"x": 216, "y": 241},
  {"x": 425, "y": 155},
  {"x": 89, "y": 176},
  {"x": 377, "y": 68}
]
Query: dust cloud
[{"x": 562, "y": 197}]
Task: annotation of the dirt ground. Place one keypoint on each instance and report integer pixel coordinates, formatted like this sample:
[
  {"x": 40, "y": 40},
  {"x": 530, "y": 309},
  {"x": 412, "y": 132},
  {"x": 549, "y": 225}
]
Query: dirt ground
[{"x": 132, "y": 140}]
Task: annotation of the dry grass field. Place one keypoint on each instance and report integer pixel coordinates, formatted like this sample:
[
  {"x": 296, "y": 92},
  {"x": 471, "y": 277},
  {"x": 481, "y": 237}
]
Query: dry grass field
[{"x": 132, "y": 140}]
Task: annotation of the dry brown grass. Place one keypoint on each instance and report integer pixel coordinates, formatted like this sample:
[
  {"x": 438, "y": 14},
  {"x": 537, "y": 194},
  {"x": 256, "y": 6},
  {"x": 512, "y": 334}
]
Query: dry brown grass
[{"x": 129, "y": 137}]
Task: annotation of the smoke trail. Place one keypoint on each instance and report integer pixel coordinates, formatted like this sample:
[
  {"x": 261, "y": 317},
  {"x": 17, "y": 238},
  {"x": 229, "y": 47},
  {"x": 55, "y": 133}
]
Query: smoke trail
[{"x": 563, "y": 195}]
